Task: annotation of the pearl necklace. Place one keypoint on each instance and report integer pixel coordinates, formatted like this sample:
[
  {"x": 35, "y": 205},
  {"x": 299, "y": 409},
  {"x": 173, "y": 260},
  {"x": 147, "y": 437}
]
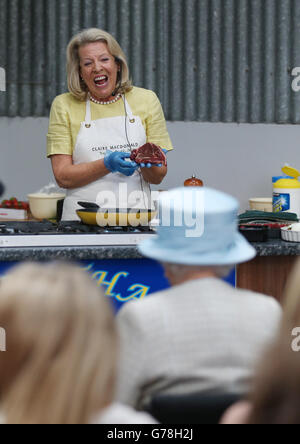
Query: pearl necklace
[{"x": 105, "y": 103}]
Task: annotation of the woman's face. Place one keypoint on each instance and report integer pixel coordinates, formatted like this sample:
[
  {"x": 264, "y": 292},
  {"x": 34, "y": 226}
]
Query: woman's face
[{"x": 98, "y": 69}]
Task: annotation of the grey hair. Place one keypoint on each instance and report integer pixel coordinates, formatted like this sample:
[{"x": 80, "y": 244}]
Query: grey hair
[
  {"x": 75, "y": 84},
  {"x": 221, "y": 271}
]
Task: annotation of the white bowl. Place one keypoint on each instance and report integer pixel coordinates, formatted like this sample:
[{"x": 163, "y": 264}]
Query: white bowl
[
  {"x": 291, "y": 233},
  {"x": 44, "y": 206},
  {"x": 261, "y": 204}
]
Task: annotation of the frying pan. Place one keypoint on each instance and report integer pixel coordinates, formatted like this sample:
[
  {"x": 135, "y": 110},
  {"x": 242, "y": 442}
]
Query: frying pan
[{"x": 92, "y": 214}]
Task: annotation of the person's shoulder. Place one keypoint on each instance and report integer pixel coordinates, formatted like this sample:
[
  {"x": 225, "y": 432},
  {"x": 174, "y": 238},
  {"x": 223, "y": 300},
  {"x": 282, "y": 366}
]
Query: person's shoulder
[
  {"x": 263, "y": 298},
  {"x": 260, "y": 300},
  {"x": 243, "y": 298},
  {"x": 140, "y": 311},
  {"x": 142, "y": 93}
]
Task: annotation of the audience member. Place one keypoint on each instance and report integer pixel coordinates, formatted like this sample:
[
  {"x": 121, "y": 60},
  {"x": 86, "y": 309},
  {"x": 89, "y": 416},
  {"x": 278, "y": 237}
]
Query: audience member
[
  {"x": 59, "y": 367},
  {"x": 201, "y": 334},
  {"x": 275, "y": 398}
]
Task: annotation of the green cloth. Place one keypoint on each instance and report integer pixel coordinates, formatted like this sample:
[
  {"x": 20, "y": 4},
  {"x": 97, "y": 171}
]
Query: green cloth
[{"x": 259, "y": 216}]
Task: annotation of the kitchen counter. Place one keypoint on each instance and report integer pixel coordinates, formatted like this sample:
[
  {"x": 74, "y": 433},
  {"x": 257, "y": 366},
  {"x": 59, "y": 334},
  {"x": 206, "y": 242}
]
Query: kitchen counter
[
  {"x": 69, "y": 253},
  {"x": 277, "y": 247},
  {"x": 274, "y": 247}
]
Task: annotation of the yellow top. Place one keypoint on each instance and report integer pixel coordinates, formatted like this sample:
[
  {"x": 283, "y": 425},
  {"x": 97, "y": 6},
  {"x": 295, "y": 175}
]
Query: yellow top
[
  {"x": 290, "y": 171},
  {"x": 287, "y": 183},
  {"x": 67, "y": 113}
]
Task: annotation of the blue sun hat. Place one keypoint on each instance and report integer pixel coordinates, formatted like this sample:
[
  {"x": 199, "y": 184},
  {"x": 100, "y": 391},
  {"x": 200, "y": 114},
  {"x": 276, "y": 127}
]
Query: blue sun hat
[{"x": 198, "y": 226}]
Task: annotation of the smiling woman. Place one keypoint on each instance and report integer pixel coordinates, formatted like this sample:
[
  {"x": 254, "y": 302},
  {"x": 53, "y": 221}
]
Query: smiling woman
[
  {"x": 95, "y": 58},
  {"x": 103, "y": 110},
  {"x": 86, "y": 54}
]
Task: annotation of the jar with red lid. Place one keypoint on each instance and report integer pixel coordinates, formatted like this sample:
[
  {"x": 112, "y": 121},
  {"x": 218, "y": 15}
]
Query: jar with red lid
[{"x": 193, "y": 182}]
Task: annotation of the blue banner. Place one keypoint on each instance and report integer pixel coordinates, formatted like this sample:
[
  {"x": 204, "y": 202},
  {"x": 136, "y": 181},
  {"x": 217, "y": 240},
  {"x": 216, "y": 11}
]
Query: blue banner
[{"x": 125, "y": 279}]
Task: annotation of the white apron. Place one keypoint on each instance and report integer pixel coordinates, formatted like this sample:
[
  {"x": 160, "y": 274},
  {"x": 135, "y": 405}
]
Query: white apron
[{"x": 122, "y": 133}]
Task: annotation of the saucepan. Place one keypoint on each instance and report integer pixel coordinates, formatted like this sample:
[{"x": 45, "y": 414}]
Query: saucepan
[{"x": 92, "y": 214}]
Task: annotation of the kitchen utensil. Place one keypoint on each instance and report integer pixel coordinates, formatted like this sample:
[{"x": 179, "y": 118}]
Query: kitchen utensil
[
  {"x": 115, "y": 217},
  {"x": 68, "y": 233},
  {"x": 59, "y": 209},
  {"x": 291, "y": 233},
  {"x": 44, "y": 206},
  {"x": 89, "y": 205}
]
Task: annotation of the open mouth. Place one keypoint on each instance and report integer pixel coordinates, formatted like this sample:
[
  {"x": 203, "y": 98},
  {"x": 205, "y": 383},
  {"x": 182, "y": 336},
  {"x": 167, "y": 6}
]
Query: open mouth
[{"x": 101, "y": 80}]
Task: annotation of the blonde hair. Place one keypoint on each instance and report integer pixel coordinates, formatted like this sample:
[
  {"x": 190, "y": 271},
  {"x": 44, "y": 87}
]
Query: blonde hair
[
  {"x": 276, "y": 395},
  {"x": 291, "y": 299},
  {"x": 76, "y": 85},
  {"x": 59, "y": 367}
]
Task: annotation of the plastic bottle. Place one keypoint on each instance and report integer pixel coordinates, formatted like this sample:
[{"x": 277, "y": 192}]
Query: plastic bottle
[{"x": 286, "y": 192}]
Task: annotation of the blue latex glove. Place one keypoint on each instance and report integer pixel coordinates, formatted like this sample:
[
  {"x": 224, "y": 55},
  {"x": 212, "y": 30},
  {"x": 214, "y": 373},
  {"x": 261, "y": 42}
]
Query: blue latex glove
[{"x": 115, "y": 162}]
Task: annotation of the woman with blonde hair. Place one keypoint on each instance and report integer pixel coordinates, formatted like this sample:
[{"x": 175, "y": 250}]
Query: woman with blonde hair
[
  {"x": 275, "y": 398},
  {"x": 94, "y": 128},
  {"x": 61, "y": 349}
]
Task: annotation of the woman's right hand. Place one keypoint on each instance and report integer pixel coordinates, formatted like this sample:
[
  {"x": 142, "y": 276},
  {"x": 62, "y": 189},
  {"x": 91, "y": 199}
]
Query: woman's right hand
[{"x": 115, "y": 162}]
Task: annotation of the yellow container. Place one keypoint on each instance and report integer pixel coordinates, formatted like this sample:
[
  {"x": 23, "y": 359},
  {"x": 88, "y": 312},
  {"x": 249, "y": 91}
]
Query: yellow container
[{"x": 286, "y": 192}]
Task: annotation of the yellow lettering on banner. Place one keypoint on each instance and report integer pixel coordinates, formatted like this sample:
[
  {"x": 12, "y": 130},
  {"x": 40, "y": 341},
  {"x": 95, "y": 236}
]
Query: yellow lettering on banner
[
  {"x": 88, "y": 267},
  {"x": 141, "y": 292},
  {"x": 100, "y": 276}
]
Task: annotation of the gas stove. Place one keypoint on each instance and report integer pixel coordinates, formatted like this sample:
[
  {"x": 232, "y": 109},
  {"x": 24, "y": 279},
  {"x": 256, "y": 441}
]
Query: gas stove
[{"x": 47, "y": 234}]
